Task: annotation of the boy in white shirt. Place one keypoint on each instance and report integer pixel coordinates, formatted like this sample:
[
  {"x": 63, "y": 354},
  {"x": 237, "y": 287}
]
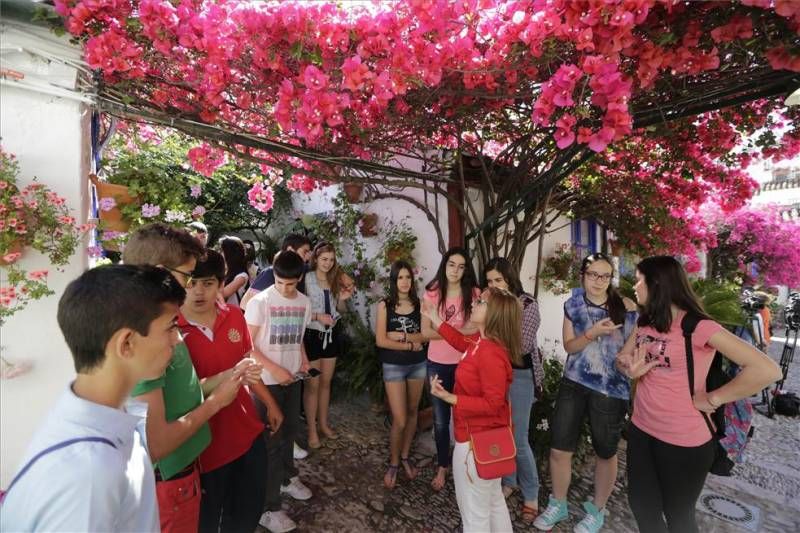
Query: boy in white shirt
[
  {"x": 87, "y": 467},
  {"x": 277, "y": 319}
]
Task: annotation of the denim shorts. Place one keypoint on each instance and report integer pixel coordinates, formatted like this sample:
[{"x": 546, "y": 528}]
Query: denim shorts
[
  {"x": 574, "y": 404},
  {"x": 404, "y": 372}
]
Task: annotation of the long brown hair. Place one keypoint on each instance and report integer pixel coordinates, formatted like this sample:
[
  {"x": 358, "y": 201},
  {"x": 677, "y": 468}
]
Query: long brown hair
[
  {"x": 503, "y": 322},
  {"x": 335, "y": 273},
  {"x": 667, "y": 285}
]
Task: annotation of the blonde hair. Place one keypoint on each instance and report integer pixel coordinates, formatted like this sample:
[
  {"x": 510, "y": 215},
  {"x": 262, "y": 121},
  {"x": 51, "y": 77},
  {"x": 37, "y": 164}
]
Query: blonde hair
[{"x": 504, "y": 322}]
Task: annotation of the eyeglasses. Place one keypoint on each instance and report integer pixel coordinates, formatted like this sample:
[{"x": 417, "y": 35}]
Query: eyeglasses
[
  {"x": 594, "y": 276},
  {"x": 188, "y": 275}
]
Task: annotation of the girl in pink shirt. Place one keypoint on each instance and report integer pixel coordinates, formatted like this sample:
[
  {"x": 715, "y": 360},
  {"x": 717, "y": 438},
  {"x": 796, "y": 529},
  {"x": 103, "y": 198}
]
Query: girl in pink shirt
[
  {"x": 670, "y": 447},
  {"x": 451, "y": 292}
]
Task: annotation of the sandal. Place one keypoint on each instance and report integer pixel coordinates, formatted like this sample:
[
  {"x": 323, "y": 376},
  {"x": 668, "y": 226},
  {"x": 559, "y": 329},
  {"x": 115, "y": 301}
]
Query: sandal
[
  {"x": 390, "y": 477},
  {"x": 409, "y": 467},
  {"x": 529, "y": 514}
]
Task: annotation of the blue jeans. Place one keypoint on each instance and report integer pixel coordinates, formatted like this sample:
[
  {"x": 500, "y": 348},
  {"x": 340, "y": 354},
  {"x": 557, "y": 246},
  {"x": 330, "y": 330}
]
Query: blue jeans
[
  {"x": 442, "y": 410},
  {"x": 521, "y": 398}
]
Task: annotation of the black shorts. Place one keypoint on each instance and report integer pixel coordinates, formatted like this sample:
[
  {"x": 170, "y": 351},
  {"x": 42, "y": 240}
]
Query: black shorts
[
  {"x": 606, "y": 416},
  {"x": 313, "y": 340}
]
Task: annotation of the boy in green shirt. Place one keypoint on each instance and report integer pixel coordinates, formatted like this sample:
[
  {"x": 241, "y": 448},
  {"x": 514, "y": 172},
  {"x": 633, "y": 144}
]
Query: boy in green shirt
[{"x": 177, "y": 429}]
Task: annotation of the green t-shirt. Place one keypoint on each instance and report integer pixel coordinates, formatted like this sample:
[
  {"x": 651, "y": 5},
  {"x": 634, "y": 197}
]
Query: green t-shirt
[{"x": 182, "y": 394}]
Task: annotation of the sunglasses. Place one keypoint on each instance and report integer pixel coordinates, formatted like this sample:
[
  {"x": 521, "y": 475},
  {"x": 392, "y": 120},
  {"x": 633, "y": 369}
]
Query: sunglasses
[{"x": 188, "y": 275}]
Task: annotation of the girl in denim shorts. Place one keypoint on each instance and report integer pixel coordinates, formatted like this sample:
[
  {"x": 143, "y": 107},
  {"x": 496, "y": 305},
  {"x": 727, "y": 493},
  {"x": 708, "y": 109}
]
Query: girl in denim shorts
[{"x": 402, "y": 352}]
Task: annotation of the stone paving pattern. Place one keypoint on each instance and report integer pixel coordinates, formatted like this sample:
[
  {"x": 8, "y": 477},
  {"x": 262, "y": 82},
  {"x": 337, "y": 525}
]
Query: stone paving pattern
[{"x": 346, "y": 478}]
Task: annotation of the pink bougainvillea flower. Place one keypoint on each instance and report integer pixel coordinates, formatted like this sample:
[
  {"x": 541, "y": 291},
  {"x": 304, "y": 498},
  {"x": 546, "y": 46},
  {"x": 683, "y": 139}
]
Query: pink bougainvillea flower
[{"x": 261, "y": 197}]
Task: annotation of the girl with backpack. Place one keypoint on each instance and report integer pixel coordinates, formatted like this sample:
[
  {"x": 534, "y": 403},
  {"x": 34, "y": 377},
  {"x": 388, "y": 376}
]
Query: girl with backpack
[
  {"x": 451, "y": 293},
  {"x": 597, "y": 322},
  {"x": 402, "y": 353},
  {"x": 670, "y": 444},
  {"x": 499, "y": 273}
]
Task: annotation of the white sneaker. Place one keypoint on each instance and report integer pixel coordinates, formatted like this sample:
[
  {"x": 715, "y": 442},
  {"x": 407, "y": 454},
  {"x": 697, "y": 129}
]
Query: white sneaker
[
  {"x": 277, "y": 522},
  {"x": 296, "y": 489},
  {"x": 299, "y": 453}
]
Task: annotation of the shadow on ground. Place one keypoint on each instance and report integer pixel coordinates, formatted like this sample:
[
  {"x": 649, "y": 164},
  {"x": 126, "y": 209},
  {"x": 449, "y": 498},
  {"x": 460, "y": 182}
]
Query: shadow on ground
[{"x": 346, "y": 478}]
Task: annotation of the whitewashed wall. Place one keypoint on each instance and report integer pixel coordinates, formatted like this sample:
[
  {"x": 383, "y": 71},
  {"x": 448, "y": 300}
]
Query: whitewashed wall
[
  {"x": 427, "y": 253},
  {"x": 49, "y": 135}
]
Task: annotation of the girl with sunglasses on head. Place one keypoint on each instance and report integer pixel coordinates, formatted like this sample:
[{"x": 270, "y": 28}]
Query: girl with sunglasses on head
[
  {"x": 401, "y": 350},
  {"x": 480, "y": 400},
  {"x": 451, "y": 293},
  {"x": 328, "y": 289},
  {"x": 499, "y": 273},
  {"x": 670, "y": 445},
  {"x": 597, "y": 322}
]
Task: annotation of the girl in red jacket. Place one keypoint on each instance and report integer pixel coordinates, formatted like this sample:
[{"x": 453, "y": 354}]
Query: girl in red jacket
[{"x": 480, "y": 400}]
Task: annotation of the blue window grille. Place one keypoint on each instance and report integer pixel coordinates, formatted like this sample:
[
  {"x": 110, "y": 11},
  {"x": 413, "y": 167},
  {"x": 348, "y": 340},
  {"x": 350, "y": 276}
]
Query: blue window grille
[{"x": 584, "y": 237}]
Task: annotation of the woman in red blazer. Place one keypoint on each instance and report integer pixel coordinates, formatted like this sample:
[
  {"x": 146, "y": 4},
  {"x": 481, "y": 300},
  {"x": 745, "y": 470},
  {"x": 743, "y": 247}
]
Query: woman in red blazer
[{"x": 480, "y": 400}]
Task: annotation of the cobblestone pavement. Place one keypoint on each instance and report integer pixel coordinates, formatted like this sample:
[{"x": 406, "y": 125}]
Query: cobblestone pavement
[{"x": 346, "y": 478}]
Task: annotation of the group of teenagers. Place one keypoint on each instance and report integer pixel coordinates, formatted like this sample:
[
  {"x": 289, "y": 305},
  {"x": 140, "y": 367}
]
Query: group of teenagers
[{"x": 186, "y": 408}]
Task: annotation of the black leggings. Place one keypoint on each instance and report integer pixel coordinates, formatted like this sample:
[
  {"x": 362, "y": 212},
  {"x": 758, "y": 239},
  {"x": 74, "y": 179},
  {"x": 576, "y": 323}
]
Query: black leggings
[{"x": 664, "y": 481}]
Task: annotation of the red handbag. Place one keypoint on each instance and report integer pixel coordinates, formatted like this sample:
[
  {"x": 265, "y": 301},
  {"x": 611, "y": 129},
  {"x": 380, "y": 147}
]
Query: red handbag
[{"x": 494, "y": 451}]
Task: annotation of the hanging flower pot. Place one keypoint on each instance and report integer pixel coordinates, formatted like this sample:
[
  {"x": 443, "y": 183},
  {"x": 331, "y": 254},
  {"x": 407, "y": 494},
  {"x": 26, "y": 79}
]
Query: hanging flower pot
[
  {"x": 369, "y": 225},
  {"x": 394, "y": 254},
  {"x": 353, "y": 191},
  {"x": 14, "y": 251},
  {"x": 111, "y": 197}
]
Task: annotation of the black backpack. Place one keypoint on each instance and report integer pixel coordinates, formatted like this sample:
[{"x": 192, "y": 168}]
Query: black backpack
[
  {"x": 786, "y": 404},
  {"x": 741, "y": 410}
]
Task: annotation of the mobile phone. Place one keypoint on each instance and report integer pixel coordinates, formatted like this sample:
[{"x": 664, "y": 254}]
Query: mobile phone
[{"x": 314, "y": 372}]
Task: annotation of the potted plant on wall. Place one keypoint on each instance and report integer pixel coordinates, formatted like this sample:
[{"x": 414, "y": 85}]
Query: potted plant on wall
[
  {"x": 399, "y": 243},
  {"x": 31, "y": 217},
  {"x": 353, "y": 191},
  {"x": 560, "y": 272}
]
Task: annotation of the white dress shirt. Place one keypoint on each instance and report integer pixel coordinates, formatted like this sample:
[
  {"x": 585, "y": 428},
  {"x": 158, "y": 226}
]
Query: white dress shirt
[{"x": 86, "y": 486}]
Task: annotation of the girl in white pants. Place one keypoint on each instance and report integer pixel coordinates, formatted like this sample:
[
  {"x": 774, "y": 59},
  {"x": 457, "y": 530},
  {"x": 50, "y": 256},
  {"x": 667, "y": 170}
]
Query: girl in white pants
[{"x": 481, "y": 502}]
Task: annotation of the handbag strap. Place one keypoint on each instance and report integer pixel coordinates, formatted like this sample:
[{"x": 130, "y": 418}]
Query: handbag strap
[{"x": 54, "y": 448}]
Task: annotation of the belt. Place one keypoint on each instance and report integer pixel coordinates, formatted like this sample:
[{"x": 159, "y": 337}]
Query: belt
[{"x": 188, "y": 471}]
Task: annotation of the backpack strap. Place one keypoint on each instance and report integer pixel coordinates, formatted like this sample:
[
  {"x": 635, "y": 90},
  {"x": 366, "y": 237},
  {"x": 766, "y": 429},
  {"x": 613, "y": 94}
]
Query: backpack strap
[
  {"x": 688, "y": 325},
  {"x": 54, "y": 448}
]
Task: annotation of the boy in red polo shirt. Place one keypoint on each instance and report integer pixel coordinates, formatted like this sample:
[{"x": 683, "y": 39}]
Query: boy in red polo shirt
[{"x": 234, "y": 463}]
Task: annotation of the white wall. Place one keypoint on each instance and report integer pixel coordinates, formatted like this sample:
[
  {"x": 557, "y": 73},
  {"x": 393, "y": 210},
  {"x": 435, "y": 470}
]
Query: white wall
[
  {"x": 49, "y": 136},
  {"x": 427, "y": 254}
]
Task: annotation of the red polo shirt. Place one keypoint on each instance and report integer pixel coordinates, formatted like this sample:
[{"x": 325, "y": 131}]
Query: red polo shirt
[
  {"x": 236, "y": 426},
  {"x": 483, "y": 378}
]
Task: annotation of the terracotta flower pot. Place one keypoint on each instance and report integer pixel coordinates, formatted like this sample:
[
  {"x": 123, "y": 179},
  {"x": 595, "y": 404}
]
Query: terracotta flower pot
[
  {"x": 395, "y": 254},
  {"x": 15, "y": 248},
  {"x": 112, "y": 220},
  {"x": 369, "y": 225},
  {"x": 353, "y": 191}
]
